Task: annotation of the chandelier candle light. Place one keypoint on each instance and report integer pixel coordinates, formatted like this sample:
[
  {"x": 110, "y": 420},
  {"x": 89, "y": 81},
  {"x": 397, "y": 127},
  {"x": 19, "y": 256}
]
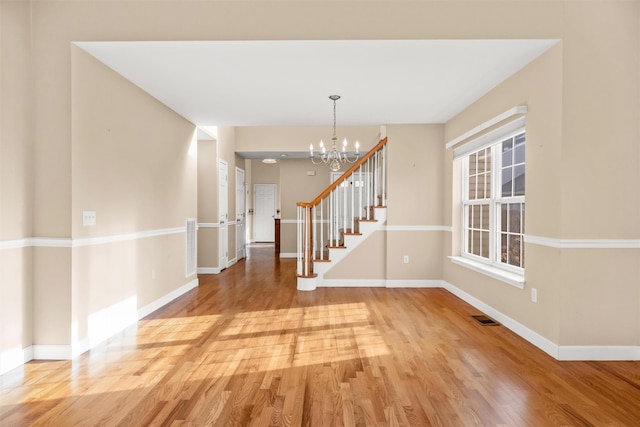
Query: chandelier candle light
[{"x": 334, "y": 158}]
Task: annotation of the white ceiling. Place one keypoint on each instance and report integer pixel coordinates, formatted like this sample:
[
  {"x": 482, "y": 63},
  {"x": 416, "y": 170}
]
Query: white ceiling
[{"x": 287, "y": 83}]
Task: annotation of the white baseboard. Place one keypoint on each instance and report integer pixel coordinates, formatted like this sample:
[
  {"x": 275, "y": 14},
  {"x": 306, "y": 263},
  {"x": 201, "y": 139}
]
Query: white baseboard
[
  {"x": 68, "y": 352},
  {"x": 162, "y": 301},
  {"x": 14, "y": 358},
  {"x": 414, "y": 283},
  {"x": 534, "y": 338},
  {"x": 208, "y": 270},
  {"x": 379, "y": 283},
  {"x": 558, "y": 352},
  {"x": 352, "y": 283},
  {"x": 601, "y": 353},
  {"x": 288, "y": 255},
  {"x": 52, "y": 352},
  {"x": 231, "y": 262}
]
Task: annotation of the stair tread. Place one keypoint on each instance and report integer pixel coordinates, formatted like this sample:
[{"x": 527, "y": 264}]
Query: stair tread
[
  {"x": 337, "y": 247},
  {"x": 321, "y": 260},
  {"x": 352, "y": 234}
]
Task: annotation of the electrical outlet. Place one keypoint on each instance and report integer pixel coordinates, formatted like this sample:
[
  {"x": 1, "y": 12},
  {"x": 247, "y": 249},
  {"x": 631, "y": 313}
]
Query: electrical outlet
[
  {"x": 534, "y": 295},
  {"x": 406, "y": 259},
  {"x": 88, "y": 218}
]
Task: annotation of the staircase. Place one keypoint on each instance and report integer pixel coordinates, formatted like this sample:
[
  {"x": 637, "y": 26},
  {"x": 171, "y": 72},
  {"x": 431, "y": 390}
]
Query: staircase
[{"x": 341, "y": 217}]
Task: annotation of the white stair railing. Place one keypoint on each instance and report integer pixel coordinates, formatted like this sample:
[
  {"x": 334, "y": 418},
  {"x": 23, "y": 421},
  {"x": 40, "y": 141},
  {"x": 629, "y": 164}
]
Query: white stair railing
[{"x": 323, "y": 222}]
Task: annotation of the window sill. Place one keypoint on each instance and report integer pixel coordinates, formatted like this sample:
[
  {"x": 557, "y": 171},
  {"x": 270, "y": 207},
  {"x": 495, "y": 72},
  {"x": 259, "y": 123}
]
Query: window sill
[{"x": 512, "y": 279}]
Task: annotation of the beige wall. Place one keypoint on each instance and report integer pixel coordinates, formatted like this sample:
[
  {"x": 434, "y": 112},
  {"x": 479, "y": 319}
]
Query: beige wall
[
  {"x": 16, "y": 184},
  {"x": 207, "y": 204},
  {"x": 133, "y": 158},
  {"x": 368, "y": 261},
  {"x": 600, "y": 176},
  {"x": 134, "y": 162},
  {"x": 415, "y": 194},
  {"x": 296, "y": 186},
  {"x": 226, "y": 145}
]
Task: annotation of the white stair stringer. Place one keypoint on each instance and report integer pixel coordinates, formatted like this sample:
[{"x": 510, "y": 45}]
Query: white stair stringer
[{"x": 366, "y": 229}]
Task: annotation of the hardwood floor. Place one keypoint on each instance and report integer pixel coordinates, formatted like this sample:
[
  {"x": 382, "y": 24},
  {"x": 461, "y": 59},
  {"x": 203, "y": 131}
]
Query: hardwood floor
[{"x": 246, "y": 348}]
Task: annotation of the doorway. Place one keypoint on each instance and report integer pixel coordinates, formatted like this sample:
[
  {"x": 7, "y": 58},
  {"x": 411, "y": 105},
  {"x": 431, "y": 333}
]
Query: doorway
[
  {"x": 240, "y": 214},
  {"x": 223, "y": 214},
  {"x": 264, "y": 211}
]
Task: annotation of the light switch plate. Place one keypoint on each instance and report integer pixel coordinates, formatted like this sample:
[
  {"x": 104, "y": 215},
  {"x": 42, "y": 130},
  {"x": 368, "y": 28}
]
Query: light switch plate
[{"x": 88, "y": 218}]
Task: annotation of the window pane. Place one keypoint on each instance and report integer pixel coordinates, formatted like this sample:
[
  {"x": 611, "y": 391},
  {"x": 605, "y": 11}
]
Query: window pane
[
  {"x": 503, "y": 248},
  {"x": 472, "y": 187},
  {"x": 488, "y": 159},
  {"x": 503, "y": 217},
  {"x": 481, "y": 161},
  {"x": 480, "y": 193},
  {"x": 506, "y": 183},
  {"x": 472, "y": 164},
  {"x": 522, "y": 219},
  {"x": 519, "y": 181},
  {"x": 484, "y": 217},
  {"x": 514, "y": 217},
  {"x": 475, "y": 249},
  {"x": 470, "y": 216},
  {"x": 507, "y": 152},
  {"x": 519, "y": 152},
  {"x": 514, "y": 250},
  {"x": 485, "y": 244},
  {"x": 487, "y": 185},
  {"x": 476, "y": 216}
]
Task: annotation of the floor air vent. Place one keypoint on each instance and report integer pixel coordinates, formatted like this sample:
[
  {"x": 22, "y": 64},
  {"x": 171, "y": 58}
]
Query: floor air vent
[{"x": 484, "y": 320}]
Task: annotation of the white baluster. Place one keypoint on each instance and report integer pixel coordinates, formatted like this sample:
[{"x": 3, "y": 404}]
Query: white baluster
[
  {"x": 369, "y": 188},
  {"x": 321, "y": 238},
  {"x": 375, "y": 179},
  {"x": 360, "y": 184},
  {"x": 331, "y": 219},
  {"x": 299, "y": 241},
  {"x": 384, "y": 175},
  {"x": 344, "y": 206},
  {"x": 353, "y": 191}
]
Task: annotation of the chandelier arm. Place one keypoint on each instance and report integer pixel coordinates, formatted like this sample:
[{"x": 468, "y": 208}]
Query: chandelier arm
[
  {"x": 348, "y": 160},
  {"x": 321, "y": 160}
]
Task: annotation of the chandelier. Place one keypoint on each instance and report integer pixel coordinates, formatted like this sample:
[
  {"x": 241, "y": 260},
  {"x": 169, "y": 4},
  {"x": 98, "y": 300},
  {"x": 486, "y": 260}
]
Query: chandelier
[{"x": 333, "y": 158}]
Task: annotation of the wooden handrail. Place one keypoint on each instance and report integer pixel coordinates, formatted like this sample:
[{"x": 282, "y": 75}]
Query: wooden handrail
[{"x": 344, "y": 176}]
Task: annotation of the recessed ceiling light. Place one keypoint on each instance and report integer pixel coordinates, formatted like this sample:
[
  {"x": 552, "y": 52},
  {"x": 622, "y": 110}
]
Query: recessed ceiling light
[
  {"x": 283, "y": 155},
  {"x": 268, "y": 160}
]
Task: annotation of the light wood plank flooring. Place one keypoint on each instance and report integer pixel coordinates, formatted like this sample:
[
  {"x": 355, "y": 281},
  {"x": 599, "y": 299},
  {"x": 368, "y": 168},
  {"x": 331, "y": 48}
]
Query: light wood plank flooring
[{"x": 246, "y": 348}]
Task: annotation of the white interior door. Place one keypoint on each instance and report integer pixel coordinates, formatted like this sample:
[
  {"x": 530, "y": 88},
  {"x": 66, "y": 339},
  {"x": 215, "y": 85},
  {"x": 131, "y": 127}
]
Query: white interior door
[
  {"x": 264, "y": 211},
  {"x": 223, "y": 213},
  {"x": 240, "y": 214}
]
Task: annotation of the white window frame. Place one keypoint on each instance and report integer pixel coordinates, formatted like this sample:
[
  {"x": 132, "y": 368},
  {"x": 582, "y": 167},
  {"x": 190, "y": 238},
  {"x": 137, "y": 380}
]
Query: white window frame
[{"x": 493, "y": 266}]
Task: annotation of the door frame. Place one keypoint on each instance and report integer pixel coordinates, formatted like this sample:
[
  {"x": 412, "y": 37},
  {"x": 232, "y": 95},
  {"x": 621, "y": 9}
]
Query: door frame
[
  {"x": 275, "y": 208},
  {"x": 241, "y": 217},
  {"x": 223, "y": 229}
]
